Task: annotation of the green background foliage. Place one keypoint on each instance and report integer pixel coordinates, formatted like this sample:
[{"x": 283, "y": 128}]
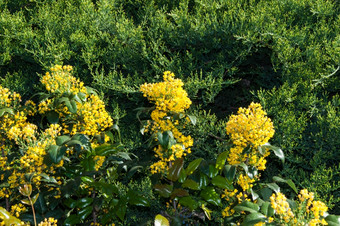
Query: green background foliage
[{"x": 284, "y": 54}]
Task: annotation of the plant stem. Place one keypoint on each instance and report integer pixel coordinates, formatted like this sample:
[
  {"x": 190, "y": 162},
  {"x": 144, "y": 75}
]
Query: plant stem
[{"x": 33, "y": 211}]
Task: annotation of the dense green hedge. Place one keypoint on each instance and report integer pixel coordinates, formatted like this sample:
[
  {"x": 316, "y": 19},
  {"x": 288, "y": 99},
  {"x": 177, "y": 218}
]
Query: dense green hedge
[{"x": 284, "y": 53}]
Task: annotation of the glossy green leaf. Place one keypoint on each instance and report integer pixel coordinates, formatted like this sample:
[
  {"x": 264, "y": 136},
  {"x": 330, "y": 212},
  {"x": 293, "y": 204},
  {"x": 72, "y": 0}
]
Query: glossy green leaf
[
  {"x": 62, "y": 139},
  {"x": 204, "y": 180},
  {"x": 52, "y": 117},
  {"x": 210, "y": 195},
  {"x": 26, "y": 190},
  {"x": 193, "y": 119},
  {"x": 106, "y": 149},
  {"x": 274, "y": 187},
  {"x": 333, "y": 220},
  {"x": 166, "y": 139},
  {"x": 222, "y": 182},
  {"x": 188, "y": 183},
  {"x": 84, "y": 202},
  {"x": 267, "y": 209},
  {"x": 56, "y": 153},
  {"x": 247, "y": 206},
  {"x": 182, "y": 176},
  {"x": 26, "y": 201},
  {"x": 220, "y": 161},
  {"x": 85, "y": 212},
  {"x": 253, "y": 218},
  {"x": 212, "y": 171},
  {"x": 136, "y": 199},
  {"x": 87, "y": 180},
  {"x": 277, "y": 151},
  {"x": 289, "y": 182},
  {"x": 34, "y": 198},
  {"x": 164, "y": 190},
  {"x": 40, "y": 205},
  {"x": 161, "y": 221},
  {"x": 193, "y": 166},
  {"x": 120, "y": 208},
  {"x": 229, "y": 172},
  {"x": 6, "y": 110},
  {"x": 71, "y": 105},
  {"x": 72, "y": 220},
  {"x": 7, "y": 218},
  {"x": 71, "y": 203},
  {"x": 178, "y": 192},
  {"x": 175, "y": 169},
  {"x": 188, "y": 202},
  {"x": 266, "y": 193}
]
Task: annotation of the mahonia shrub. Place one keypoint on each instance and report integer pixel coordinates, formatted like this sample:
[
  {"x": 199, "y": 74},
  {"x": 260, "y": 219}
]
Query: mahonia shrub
[
  {"x": 67, "y": 148},
  {"x": 229, "y": 189},
  {"x": 171, "y": 101}
]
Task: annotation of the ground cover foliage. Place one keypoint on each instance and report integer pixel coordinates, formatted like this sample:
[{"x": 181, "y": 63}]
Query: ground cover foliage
[{"x": 283, "y": 54}]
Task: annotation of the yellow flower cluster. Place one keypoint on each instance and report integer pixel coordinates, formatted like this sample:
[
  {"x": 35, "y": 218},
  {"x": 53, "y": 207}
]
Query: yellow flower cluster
[
  {"x": 16, "y": 209},
  {"x": 91, "y": 117},
  {"x": 250, "y": 128},
  {"x": 169, "y": 98},
  {"x": 227, "y": 212},
  {"x": 99, "y": 160},
  {"x": 49, "y": 222},
  {"x": 245, "y": 182},
  {"x": 8, "y": 98},
  {"x": 61, "y": 81},
  {"x": 281, "y": 206},
  {"x": 318, "y": 208}
]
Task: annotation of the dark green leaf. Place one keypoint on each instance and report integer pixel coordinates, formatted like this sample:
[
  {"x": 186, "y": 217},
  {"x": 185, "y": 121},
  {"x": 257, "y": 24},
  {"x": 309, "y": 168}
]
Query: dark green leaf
[
  {"x": 120, "y": 208},
  {"x": 266, "y": 193},
  {"x": 71, "y": 203},
  {"x": 188, "y": 202},
  {"x": 84, "y": 202},
  {"x": 62, "y": 139},
  {"x": 289, "y": 182},
  {"x": 52, "y": 117},
  {"x": 229, "y": 172},
  {"x": 182, "y": 176},
  {"x": 277, "y": 151},
  {"x": 333, "y": 220},
  {"x": 193, "y": 166},
  {"x": 178, "y": 192},
  {"x": 136, "y": 199},
  {"x": 212, "y": 171},
  {"x": 6, "y": 110},
  {"x": 204, "y": 180},
  {"x": 56, "y": 153},
  {"x": 40, "y": 205},
  {"x": 274, "y": 187},
  {"x": 175, "y": 169},
  {"x": 210, "y": 195},
  {"x": 34, "y": 198},
  {"x": 164, "y": 189},
  {"x": 84, "y": 213},
  {"x": 220, "y": 161},
  {"x": 72, "y": 220},
  {"x": 166, "y": 139},
  {"x": 247, "y": 206},
  {"x": 188, "y": 183},
  {"x": 267, "y": 209},
  {"x": 222, "y": 182},
  {"x": 254, "y": 218},
  {"x": 87, "y": 180}
]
